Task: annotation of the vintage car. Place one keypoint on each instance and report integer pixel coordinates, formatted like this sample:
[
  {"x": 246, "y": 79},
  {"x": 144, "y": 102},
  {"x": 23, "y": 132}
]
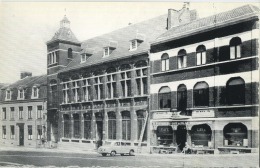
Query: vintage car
[{"x": 117, "y": 148}]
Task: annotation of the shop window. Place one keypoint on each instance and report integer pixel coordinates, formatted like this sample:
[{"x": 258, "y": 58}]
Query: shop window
[
  {"x": 235, "y": 48},
  {"x": 164, "y": 97},
  {"x": 140, "y": 124},
  {"x": 30, "y": 135},
  {"x": 12, "y": 132},
  {"x": 182, "y": 59},
  {"x": 76, "y": 126},
  {"x": 111, "y": 125},
  {"x": 164, "y": 135},
  {"x": 66, "y": 127},
  {"x": 126, "y": 125},
  {"x": 235, "y": 134},
  {"x": 70, "y": 53},
  {"x": 236, "y": 91},
  {"x": 201, "y": 135},
  {"x": 201, "y": 55},
  {"x": 165, "y": 62},
  {"x": 201, "y": 94},
  {"x": 39, "y": 132},
  {"x": 182, "y": 98},
  {"x": 87, "y": 125}
]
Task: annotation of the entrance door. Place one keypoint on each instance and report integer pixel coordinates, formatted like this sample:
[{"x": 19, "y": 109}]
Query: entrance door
[
  {"x": 181, "y": 136},
  {"x": 21, "y": 135},
  {"x": 99, "y": 132}
]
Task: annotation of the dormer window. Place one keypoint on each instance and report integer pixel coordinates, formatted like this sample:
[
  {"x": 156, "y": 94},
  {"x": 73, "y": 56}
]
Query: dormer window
[
  {"x": 21, "y": 94},
  {"x": 8, "y": 95},
  {"x": 133, "y": 45},
  {"x": 106, "y": 51},
  {"x": 35, "y": 92},
  {"x": 83, "y": 58}
]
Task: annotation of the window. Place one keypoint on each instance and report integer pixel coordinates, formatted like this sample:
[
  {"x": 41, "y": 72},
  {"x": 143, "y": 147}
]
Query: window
[
  {"x": 52, "y": 57},
  {"x": 87, "y": 125},
  {"x": 4, "y": 113},
  {"x": 75, "y": 91},
  {"x": 201, "y": 134},
  {"x": 76, "y": 126},
  {"x": 133, "y": 45},
  {"x": 111, "y": 83},
  {"x": 65, "y": 91},
  {"x": 83, "y": 58},
  {"x": 20, "y": 112},
  {"x": 235, "y": 91},
  {"x": 164, "y": 135},
  {"x": 106, "y": 51},
  {"x": 126, "y": 80},
  {"x": 70, "y": 53},
  {"x": 182, "y": 98},
  {"x": 111, "y": 125},
  {"x": 35, "y": 92},
  {"x": 141, "y": 78},
  {"x": 201, "y": 55},
  {"x": 53, "y": 91},
  {"x": 4, "y": 132},
  {"x": 126, "y": 125},
  {"x": 235, "y": 134},
  {"x": 8, "y": 95},
  {"x": 165, "y": 62},
  {"x": 164, "y": 97},
  {"x": 140, "y": 124},
  {"x": 66, "y": 126},
  {"x": 39, "y": 132},
  {"x": 98, "y": 85},
  {"x": 182, "y": 59},
  {"x": 12, "y": 132},
  {"x": 86, "y": 90},
  {"x": 29, "y": 112},
  {"x": 21, "y": 94},
  {"x": 235, "y": 48},
  {"x": 201, "y": 94},
  {"x": 39, "y": 112},
  {"x": 30, "y": 135},
  {"x": 12, "y": 113}
]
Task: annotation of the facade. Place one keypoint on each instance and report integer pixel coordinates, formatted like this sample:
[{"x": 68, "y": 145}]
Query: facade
[
  {"x": 204, "y": 83},
  {"x": 23, "y": 111}
]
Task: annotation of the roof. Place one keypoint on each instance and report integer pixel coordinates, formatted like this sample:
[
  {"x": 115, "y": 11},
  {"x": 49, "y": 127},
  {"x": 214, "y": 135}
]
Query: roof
[
  {"x": 207, "y": 22},
  {"x": 151, "y": 29},
  {"x": 64, "y": 34},
  {"x": 28, "y": 82}
]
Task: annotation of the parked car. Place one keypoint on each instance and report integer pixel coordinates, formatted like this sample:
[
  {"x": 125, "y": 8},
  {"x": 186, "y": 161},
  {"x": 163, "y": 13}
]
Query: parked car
[{"x": 117, "y": 148}]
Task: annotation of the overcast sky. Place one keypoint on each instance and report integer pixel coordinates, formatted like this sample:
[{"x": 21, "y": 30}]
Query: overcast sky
[{"x": 25, "y": 27}]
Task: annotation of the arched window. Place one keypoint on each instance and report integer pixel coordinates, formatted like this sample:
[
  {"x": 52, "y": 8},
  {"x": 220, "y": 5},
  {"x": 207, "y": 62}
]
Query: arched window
[
  {"x": 70, "y": 53},
  {"x": 201, "y": 134},
  {"x": 182, "y": 58},
  {"x": 111, "y": 125},
  {"x": 235, "y": 134},
  {"x": 201, "y": 94},
  {"x": 76, "y": 126},
  {"x": 126, "y": 125},
  {"x": 66, "y": 126},
  {"x": 235, "y": 48},
  {"x": 141, "y": 63},
  {"x": 201, "y": 55},
  {"x": 87, "y": 125},
  {"x": 140, "y": 122},
  {"x": 182, "y": 98},
  {"x": 164, "y": 97},
  {"x": 236, "y": 91},
  {"x": 165, "y": 62}
]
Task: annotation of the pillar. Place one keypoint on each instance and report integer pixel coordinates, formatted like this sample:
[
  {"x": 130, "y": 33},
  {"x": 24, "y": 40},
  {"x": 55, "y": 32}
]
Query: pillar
[
  {"x": 82, "y": 125},
  {"x": 105, "y": 125},
  {"x": 118, "y": 125},
  {"x": 133, "y": 123},
  {"x": 93, "y": 126},
  {"x": 71, "y": 126},
  {"x": 62, "y": 127}
]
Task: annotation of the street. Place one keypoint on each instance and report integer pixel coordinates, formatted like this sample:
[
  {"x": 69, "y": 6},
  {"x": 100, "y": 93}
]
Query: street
[{"x": 39, "y": 159}]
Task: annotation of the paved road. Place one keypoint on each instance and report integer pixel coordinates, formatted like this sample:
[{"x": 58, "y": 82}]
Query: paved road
[{"x": 18, "y": 158}]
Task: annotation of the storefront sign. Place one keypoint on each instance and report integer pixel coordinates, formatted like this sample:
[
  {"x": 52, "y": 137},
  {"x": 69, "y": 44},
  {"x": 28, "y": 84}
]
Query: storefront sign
[
  {"x": 162, "y": 115},
  {"x": 203, "y": 113}
]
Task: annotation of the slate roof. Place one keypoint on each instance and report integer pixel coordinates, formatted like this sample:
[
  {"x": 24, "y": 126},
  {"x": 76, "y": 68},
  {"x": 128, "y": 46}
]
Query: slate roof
[
  {"x": 208, "y": 22},
  {"x": 151, "y": 29},
  {"x": 28, "y": 82}
]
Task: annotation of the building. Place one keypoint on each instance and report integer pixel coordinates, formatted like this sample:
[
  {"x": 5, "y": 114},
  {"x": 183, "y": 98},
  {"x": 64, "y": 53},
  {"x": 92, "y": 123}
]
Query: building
[
  {"x": 23, "y": 111},
  {"x": 204, "y": 83}
]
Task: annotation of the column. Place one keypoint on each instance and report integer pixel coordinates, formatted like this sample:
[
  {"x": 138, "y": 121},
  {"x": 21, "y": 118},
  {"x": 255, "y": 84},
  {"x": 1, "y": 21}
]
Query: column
[
  {"x": 133, "y": 122},
  {"x": 62, "y": 127},
  {"x": 105, "y": 123},
  {"x": 71, "y": 126},
  {"x": 188, "y": 128},
  {"x": 118, "y": 124},
  {"x": 93, "y": 127},
  {"x": 82, "y": 125}
]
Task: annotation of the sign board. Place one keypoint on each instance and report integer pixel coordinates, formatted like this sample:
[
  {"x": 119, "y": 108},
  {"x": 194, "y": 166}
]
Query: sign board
[
  {"x": 203, "y": 113},
  {"x": 162, "y": 115}
]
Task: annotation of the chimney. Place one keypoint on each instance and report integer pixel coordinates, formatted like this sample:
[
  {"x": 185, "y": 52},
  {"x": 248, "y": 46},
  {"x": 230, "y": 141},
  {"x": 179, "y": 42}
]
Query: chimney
[{"x": 25, "y": 74}]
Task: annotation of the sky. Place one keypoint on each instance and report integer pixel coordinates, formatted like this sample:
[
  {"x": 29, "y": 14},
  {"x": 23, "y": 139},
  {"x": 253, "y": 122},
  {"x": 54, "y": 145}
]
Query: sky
[{"x": 25, "y": 27}]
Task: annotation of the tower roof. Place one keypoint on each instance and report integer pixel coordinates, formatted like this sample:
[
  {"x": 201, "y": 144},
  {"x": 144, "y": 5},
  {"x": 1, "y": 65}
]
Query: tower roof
[{"x": 64, "y": 33}]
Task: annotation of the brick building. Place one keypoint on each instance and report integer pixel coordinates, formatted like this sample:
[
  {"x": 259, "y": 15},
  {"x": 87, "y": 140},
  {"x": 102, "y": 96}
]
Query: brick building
[
  {"x": 204, "y": 82},
  {"x": 23, "y": 111}
]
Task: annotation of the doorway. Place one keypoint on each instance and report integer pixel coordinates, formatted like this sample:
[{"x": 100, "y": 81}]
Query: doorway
[
  {"x": 21, "y": 135},
  {"x": 99, "y": 133},
  {"x": 181, "y": 136}
]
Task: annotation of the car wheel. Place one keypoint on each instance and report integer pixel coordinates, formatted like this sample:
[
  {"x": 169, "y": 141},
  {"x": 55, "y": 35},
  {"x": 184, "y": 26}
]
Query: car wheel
[
  {"x": 113, "y": 153},
  {"x": 131, "y": 152},
  {"x": 104, "y": 154}
]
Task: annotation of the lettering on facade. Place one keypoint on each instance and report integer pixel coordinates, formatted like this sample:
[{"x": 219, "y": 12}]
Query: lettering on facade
[{"x": 203, "y": 113}]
